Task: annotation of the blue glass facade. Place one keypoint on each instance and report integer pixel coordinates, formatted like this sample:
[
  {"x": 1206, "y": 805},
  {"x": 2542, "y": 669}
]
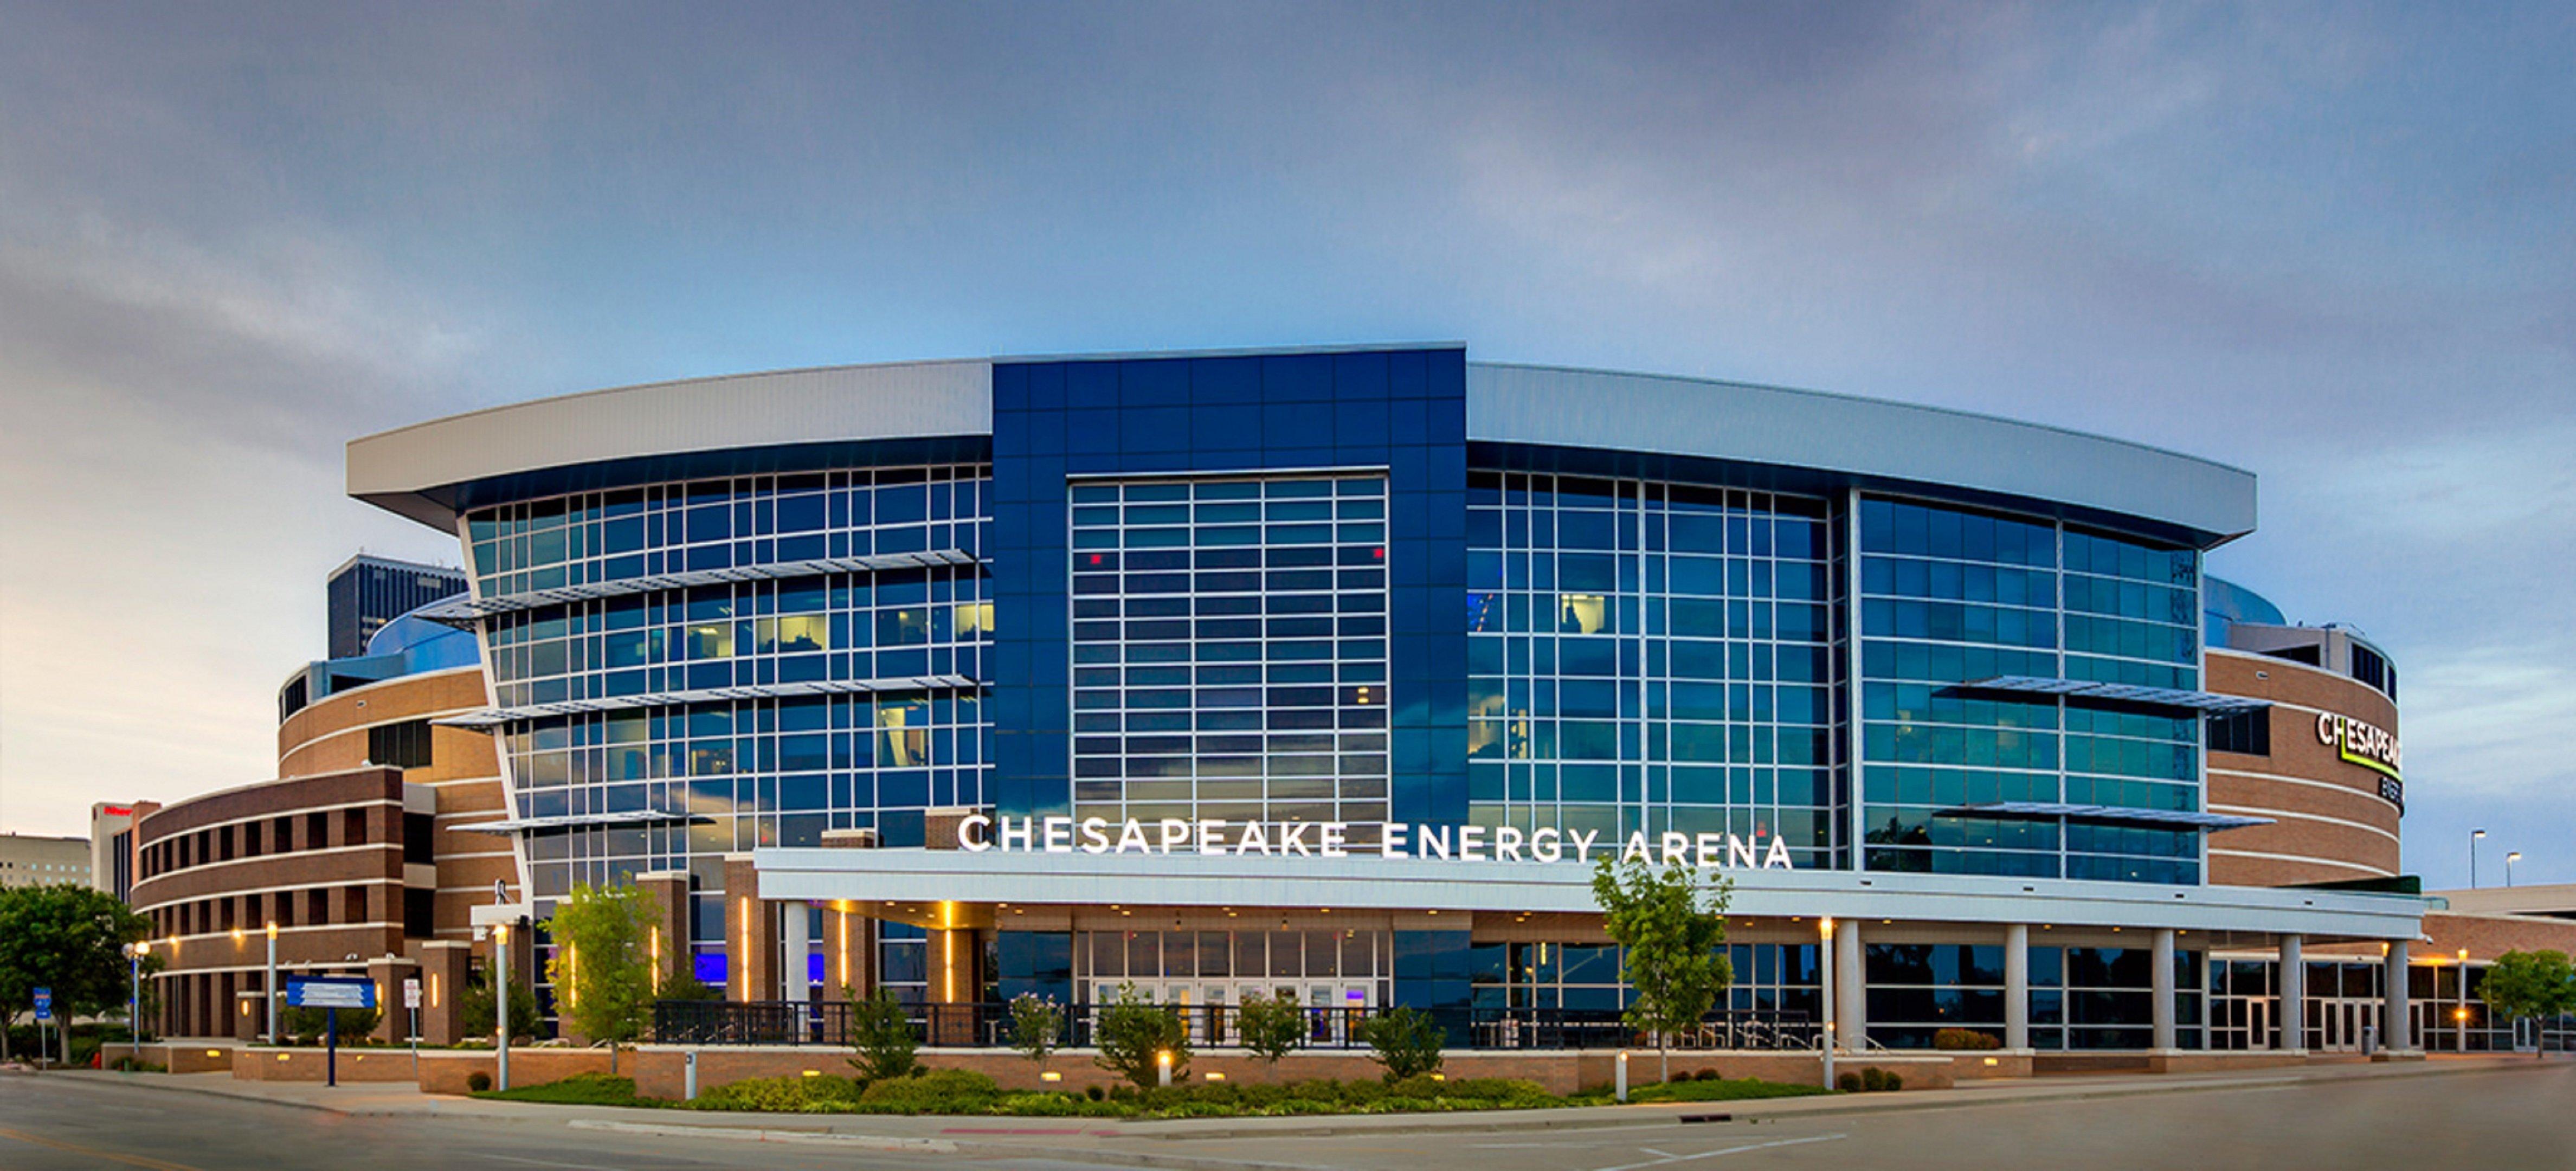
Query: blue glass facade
[
  {"x": 1951, "y": 597},
  {"x": 1276, "y": 587}
]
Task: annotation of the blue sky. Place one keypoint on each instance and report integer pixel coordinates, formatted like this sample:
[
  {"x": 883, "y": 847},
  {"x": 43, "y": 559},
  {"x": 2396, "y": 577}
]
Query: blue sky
[{"x": 2333, "y": 244}]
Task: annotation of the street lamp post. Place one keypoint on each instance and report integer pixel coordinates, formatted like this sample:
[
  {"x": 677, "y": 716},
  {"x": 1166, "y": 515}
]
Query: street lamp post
[
  {"x": 134, "y": 953},
  {"x": 268, "y": 989},
  {"x": 2474, "y": 835},
  {"x": 2509, "y": 860}
]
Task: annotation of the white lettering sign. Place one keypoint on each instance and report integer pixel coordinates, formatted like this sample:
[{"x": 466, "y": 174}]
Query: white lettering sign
[{"x": 1217, "y": 837}]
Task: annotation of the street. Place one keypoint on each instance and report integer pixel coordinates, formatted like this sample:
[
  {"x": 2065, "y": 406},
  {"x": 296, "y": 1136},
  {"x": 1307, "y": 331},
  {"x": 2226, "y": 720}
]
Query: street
[{"x": 2494, "y": 1117}]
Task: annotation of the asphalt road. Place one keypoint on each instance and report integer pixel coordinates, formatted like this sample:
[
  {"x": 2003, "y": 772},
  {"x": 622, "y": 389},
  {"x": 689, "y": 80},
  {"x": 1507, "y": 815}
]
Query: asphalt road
[{"x": 2510, "y": 1118}]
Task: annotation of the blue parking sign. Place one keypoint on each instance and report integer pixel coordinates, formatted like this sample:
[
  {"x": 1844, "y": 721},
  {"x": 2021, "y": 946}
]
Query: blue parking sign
[{"x": 44, "y": 1004}]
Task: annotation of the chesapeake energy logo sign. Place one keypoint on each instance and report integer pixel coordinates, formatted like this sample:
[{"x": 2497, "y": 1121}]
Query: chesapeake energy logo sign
[
  {"x": 978, "y": 833},
  {"x": 2367, "y": 745}
]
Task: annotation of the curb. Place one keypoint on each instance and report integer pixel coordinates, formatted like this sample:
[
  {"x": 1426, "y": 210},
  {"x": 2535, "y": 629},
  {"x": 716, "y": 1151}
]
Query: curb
[{"x": 869, "y": 1142}]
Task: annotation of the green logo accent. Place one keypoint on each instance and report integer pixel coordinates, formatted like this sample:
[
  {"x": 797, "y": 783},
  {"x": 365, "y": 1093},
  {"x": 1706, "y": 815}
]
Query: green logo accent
[{"x": 2372, "y": 763}]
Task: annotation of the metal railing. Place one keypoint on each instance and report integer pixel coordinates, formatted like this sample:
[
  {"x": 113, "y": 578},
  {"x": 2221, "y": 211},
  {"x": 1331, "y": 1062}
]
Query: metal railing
[{"x": 989, "y": 1025}]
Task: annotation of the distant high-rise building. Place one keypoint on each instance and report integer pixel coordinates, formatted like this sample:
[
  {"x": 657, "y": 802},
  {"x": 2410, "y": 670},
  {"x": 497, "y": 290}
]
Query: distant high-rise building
[
  {"x": 111, "y": 845},
  {"x": 28, "y": 860},
  {"x": 367, "y": 591}
]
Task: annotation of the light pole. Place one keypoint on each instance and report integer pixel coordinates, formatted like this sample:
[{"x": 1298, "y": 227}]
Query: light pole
[
  {"x": 2474, "y": 835},
  {"x": 2509, "y": 860},
  {"x": 268, "y": 989},
  {"x": 134, "y": 953}
]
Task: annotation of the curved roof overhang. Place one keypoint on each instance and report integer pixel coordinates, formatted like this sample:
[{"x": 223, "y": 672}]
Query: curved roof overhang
[{"x": 1594, "y": 421}]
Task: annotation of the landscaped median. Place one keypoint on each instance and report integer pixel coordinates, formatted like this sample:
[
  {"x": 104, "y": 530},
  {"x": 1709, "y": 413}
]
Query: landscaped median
[{"x": 961, "y": 1092}]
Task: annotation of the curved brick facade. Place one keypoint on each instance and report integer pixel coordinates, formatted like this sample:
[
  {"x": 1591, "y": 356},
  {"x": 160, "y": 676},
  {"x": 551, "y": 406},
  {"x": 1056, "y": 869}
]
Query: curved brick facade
[{"x": 2331, "y": 822}]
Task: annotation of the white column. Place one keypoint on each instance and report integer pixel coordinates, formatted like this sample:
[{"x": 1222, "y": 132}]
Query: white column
[
  {"x": 2017, "y": 986},
  {"x": 2293, "y": 984},
  {"x": 2397, "y": 1022},
  {"x": 1851, "y": 992},
  {"x": 793, "y": 948},
  {"x": 2164, "y": 988}
]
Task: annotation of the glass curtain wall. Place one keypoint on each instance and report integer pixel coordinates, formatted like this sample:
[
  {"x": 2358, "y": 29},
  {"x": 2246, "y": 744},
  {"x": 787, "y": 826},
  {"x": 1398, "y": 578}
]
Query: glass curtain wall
[
  {"x": 1650, "y": 656},
  {"x": 742, "y": 771},
  {"x": 1230, "y": 650},
  {"x": 1951, "y": 597}
]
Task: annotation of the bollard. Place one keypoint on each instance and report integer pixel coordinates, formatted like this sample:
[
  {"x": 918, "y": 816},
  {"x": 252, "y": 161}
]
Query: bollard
[
  {"x": 1163, "y": 1068},
  {"x": 1619, "y": 1085},
  {"x": 689, "y": 1076}
]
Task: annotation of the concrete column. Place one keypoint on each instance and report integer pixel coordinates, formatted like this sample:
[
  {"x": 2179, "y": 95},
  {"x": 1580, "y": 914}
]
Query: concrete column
[
  {"x": 794, "y": 945},
  {"x": 393, "y": 1021},
  {"x": 2017, "y": 986},
  {"x": 2397, "y": 1022},
  {"x": 2164, "y": 987},
  {"x": 1851, "y": 992},
  {"x": 2293, "y": 984}
]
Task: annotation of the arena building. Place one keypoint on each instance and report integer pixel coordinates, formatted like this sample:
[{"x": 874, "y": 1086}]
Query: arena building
[{"x": 1328, "y": 673}]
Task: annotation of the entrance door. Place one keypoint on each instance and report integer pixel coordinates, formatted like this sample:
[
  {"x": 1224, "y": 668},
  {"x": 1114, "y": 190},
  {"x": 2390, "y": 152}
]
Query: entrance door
[{"x": 2343, "y": 1021}]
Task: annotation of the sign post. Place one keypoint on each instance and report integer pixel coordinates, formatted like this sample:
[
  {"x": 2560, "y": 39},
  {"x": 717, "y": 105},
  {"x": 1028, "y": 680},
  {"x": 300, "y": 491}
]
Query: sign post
[
  {"x": 44, "y": 1013},
  {"x": 330, "y": 994},
  {"x": 411, "y": 1001}
]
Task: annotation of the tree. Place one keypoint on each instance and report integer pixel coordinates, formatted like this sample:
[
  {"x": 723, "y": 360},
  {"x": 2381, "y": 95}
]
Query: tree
[
  {"x": 1406, "y": 1041},
  {"x": 307, "y": 1024},
  {"x": 602, "y": 970},
  {"x": 1669, "y": 945},
  {"x": 1269, "y": 1027},
  {"x": 1036, "y": 1025},
  {"x": 1134, "y": 1034},
  {"x": 881, "y": 1030},
  {"x": 474, "y": 1008},
  {"x": 70, "y": 939},
  {"x": 2536, "y": 984}
]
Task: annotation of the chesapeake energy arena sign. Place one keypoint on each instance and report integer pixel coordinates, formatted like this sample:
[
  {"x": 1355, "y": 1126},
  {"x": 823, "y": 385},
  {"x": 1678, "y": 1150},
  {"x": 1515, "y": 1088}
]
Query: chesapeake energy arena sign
[
  {"x": 1216, "y": 837},
  {"x": 2367, "y": 745}
]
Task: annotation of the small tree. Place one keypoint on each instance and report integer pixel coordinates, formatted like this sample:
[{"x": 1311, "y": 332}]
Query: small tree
[
  {"x": 1270, "y": 1027},
  {"x": 601, "y": 968},
  {"x": 2535, "y": 984},
  {"x": 307, "y": 1024},
  {"x": 70, "y": 939},
  {"x": 474, "y": 1007},
  {"x": 1037, "y": 1025},
  {"x": 1135, "y": 1033},
  {"x": 1669, "y": 945},
  {"x": 1406, "y": 1041},
  {"x": 881, "y": 1030}
]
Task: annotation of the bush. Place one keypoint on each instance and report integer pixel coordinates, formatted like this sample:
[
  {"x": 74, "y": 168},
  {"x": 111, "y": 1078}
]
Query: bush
[
  {"x": 882, "y": 1031},
  {"x": 1133, "y": 1034},
  {"x": 1094, "y": 1093},
  {"x": 1872, "y": 1080},
  {"x": 1406, "y": 1041},
  {"x": 478, "y": 1082},
  {"x": 1708, "y": 1075},
  {"x": 781, "y": 1095},
  {"x": 938, "y": 1091},
  {"x": 1849, "y": 1082},
  {"x": 474, "y": 1008},
  {"x": 1970, "y": 1039},
  {"x": 1269, "y": 1028},
  {"x": 1037, "y": 1025}
]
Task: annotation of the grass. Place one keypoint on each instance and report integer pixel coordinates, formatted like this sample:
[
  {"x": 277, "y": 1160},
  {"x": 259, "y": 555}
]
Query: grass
[
  {"x": 958, "y": 1092},
  {"x": 1721, "y": 1090},
  {"x": 582, "y": 1089}
]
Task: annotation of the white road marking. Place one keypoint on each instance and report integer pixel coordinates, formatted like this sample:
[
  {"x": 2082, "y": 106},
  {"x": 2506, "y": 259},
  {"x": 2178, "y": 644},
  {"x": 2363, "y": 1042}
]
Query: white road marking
[{"x": 1786, "y": 1142}]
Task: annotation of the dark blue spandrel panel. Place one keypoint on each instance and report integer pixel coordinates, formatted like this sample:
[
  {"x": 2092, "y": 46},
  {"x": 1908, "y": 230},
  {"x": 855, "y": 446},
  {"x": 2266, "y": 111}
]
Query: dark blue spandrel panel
[{"x": 1403, "y": 411}]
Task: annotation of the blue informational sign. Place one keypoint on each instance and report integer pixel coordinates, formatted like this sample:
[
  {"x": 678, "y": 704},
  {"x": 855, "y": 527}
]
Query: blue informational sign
[
  {"x": 44, "y": 1004},
  {"x": 330, "y": 992}
]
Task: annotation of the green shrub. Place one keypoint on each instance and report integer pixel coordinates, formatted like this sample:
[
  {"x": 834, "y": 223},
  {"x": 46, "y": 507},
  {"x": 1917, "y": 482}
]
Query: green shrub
[
  {"x": 1406, "y": 1041},
  {"x": 1849, "y": 1082},
  {"x": 882, "y": 1031},
  {"x": 1094, "y": 1093},
  {"x": 782, "y": 1095},
  {"x": 478, "y": 1082},
  {"x": 937, "y": 1091},
  {"x": 1133, "y": 1036},
  {"x": 1875, "y": 1080},
  {"x": 1708, "y": 1075},
  {"x": 1969, "y": 1039},
  {"x": 1037, "y": 1025}
]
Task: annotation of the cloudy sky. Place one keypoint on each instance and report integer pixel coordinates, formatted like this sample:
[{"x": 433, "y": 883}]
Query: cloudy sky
[{"x": 2335, "y": 245}]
